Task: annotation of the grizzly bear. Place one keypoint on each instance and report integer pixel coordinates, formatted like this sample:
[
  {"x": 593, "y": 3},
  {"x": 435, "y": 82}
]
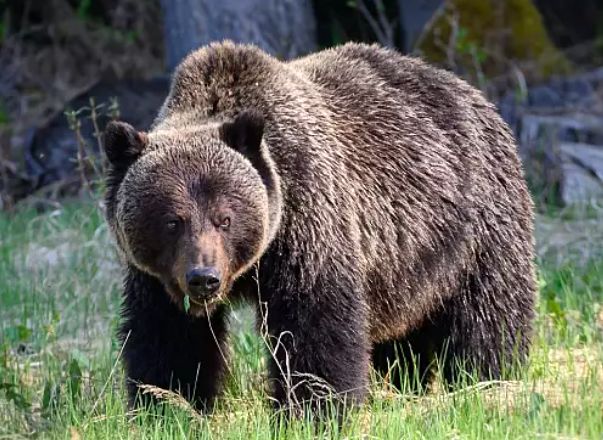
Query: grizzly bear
[{"x": 369, "y": 205}]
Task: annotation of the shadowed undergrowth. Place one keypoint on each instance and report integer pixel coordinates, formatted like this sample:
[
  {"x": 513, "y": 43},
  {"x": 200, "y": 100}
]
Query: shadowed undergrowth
[{"x": 60, "y": 376}]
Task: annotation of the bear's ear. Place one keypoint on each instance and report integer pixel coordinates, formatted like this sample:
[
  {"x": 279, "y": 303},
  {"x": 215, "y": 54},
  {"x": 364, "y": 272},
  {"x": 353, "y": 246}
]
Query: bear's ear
[
  {"x": 123, "y": 143},
  {"x": 244, "y": 133}
]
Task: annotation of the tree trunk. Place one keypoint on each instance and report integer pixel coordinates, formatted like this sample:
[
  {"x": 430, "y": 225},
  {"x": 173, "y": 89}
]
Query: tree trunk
[
  {"x": 414, "y": 15},
  {"x": 284, "y": 28}
]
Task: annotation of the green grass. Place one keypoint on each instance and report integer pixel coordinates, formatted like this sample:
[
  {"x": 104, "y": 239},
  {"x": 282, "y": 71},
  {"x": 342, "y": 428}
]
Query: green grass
[
  {"x": 60, "y": 375},
  {"x": 4, "y": 118}
]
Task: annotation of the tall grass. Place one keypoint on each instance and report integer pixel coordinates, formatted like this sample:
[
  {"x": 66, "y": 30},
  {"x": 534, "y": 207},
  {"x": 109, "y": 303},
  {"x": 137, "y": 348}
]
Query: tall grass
[{"x": 60, "y": 375}]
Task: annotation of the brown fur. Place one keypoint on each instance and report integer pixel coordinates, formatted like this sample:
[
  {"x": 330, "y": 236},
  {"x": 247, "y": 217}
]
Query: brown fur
[{"x": 385, "y": 203}]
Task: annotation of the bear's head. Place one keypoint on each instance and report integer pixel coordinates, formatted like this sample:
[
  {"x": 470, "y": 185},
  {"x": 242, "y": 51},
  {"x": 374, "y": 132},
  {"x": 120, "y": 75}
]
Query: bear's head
[{"x": 193, "y": 206}]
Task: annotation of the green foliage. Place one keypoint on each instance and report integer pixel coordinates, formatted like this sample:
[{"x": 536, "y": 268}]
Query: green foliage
[
  {"x": 573, "y": 300},
  {"x": 4, "y": 119},
  {"x": 12, "y": 394},
  {"x": 489, "y": 36},
  {"x": 84, "y": 9},
  {"x": 3, "y": 20},
  {"x": 16, "y": 333},
  {"x": 91, "y": 166}
]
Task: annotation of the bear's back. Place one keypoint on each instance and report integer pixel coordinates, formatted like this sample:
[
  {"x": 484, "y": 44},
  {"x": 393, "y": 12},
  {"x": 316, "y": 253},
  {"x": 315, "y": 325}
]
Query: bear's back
[
  {"x": 358, "y": 72},
  {"x": 431, "y": 166},
  {"x": 402, "y": 123}
]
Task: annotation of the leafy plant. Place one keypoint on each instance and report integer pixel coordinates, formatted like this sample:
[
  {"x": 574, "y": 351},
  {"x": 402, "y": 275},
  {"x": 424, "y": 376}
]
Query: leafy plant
[
  {"x": 13, "y": 394},
  {"x": 91, "y": 168},
  {"x": 84, "y": 9},
  {"x": 4, "y": 119}
]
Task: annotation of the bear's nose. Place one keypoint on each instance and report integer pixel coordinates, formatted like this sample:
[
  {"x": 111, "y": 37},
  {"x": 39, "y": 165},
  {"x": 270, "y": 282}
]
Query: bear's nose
[{"x": 202, "y": 281}]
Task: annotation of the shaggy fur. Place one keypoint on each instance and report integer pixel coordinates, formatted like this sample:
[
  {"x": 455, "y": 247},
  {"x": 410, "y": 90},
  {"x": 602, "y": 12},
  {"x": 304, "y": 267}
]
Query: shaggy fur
[{"x": 381, "y": 200}]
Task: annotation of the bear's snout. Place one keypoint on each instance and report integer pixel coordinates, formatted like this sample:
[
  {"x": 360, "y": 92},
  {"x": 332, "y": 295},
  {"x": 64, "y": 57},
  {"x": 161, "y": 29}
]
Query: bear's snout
[{"x": 202, "y": 282}]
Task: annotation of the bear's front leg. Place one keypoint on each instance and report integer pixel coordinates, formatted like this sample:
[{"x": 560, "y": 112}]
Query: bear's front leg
[
  {"x": 164, "y": 347},
  {"x": 319, "y": 348}
]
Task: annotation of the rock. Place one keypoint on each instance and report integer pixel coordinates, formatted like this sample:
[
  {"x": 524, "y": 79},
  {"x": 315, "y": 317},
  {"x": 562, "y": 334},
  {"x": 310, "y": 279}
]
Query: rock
[
  {"x": 544, "y": 97},
  {"x": 565, "y": 127},
  {"x": 559, "y": 126},
  {"x": 284, "y": 28},
  {"x": 579, "y": 91},
  {"x": 582, "y": 170},
  {"x": 51, "y": 156},
  {"x": 557, "y": 140}
]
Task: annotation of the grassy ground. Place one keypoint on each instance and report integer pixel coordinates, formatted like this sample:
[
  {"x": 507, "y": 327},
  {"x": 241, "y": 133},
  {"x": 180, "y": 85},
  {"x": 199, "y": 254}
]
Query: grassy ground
[{"x": 60, "y": 376}]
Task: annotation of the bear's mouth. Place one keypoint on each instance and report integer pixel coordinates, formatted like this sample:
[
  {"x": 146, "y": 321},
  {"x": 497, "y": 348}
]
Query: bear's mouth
[
  {"x": 200, "y": 307},
  {"x": 204, "y": 302},
  {"x": 190, "y": 304}
]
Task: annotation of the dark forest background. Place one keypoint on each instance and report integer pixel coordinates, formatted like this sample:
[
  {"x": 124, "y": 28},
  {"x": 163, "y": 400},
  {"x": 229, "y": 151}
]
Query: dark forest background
[{"x": 68, "y": 66}]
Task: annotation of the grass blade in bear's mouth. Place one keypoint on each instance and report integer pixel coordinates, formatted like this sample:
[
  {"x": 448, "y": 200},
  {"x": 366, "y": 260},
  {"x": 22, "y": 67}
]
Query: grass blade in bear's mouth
[
  {"x": 189, "y": 299},
  {"x": 187, "y": 303}
]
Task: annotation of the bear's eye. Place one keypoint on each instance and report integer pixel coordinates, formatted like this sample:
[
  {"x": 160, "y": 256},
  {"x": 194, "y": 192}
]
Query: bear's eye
[
  {"x": 172, "y": 225},
  {"x": 225, "y": 223}
]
